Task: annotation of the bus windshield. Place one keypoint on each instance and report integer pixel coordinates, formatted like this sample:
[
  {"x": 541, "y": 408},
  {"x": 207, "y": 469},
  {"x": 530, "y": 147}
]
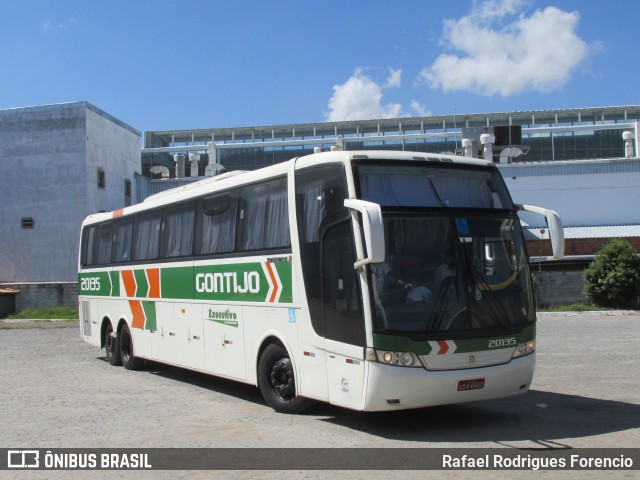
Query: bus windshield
[
  {"x": 462, "y": 186},
  {"x": 455, "y": 263}
]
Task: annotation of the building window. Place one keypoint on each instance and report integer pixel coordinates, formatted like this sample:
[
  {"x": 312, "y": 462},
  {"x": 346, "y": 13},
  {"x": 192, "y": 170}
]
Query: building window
[
  {"x": 127, "y": 193},
  {"x": 27, "y": 222},
  {"x": 101, "y": 178}
]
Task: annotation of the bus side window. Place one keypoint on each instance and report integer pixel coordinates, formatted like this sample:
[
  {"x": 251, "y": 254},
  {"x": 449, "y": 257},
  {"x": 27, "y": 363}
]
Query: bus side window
[
  {"x": 216, "y": 225},
  {"x": 264, "y": 216},
  {"x": 320, "y": 194},
  {"x": 177, "y": 231},
  {"x": 88, "y": 244},
  {"x": 103, "y": 244},
  {"x": 343, "y": 319},
  {"x": 122, "y": 244},
  {"x": 146, "y": 237}
]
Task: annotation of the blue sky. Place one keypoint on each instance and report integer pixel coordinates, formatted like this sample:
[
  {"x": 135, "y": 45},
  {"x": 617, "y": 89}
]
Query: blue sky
[{"x": 160, "y": 64}]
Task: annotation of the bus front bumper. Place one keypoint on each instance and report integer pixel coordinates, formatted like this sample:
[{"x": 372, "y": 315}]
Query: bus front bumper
[{"x": 399, "y": 388}]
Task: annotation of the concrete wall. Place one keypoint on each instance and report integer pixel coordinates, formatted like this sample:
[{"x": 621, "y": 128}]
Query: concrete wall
[
  {"x": 45, "y": 295},
  {"x": 41, "y": 177},
  {"x": 559, "y": 288},
  {"x": 115, "y": 149},
  {"x": 49, "y": 156}
]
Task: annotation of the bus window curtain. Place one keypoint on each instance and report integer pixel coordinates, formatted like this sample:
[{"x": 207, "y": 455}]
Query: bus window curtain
[
  {"x": 277, "y": 224},
  {"x": 218, "y": 231},
  {"x": 147, "y": 238},
  {"x": 178, "y": 231}
]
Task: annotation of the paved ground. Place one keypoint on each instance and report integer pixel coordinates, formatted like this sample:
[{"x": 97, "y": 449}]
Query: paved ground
[{"x": 59, "y": 392}]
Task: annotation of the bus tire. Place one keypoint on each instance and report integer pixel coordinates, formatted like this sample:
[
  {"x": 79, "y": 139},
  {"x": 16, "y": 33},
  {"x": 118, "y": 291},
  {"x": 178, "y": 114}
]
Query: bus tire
[
  {"x": 129, "y": 361},
  {"x": 277, "y": 383},
  {"x": 112, "y": 346}
]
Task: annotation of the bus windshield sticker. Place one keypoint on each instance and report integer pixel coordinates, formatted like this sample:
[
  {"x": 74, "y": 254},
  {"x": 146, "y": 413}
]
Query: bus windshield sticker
[{"x": 462, "y": 225}]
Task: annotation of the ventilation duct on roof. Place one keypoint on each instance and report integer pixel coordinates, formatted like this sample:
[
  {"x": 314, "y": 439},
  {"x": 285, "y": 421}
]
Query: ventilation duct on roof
[
  {"x": 193, "y": 160},
  {"x": 160, "y": 170},
  {"x": 179, "y": 159}
]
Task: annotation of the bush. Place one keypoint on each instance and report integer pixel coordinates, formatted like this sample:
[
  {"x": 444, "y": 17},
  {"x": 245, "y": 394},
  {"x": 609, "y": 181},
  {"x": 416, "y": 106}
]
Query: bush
[{"x": 613, "y": 278}]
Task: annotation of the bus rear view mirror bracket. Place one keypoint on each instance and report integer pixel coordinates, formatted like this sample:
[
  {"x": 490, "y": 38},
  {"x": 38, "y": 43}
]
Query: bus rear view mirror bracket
[
  {"x": 372, "y": 228},
  {"x": 554, "y": 225}
]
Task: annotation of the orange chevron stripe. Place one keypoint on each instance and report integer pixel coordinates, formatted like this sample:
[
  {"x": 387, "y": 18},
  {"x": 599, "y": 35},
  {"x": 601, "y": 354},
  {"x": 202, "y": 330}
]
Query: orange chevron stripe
[
  {"x": 138, "y": 314},
  {"x": 129, "y": 282},
  {"x": 153, "y": 275},
  {"x": 273, "y": 281}
]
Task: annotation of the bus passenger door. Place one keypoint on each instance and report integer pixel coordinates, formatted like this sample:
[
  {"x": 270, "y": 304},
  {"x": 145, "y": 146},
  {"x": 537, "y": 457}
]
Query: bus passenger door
[{"x": 343, "y": 318}]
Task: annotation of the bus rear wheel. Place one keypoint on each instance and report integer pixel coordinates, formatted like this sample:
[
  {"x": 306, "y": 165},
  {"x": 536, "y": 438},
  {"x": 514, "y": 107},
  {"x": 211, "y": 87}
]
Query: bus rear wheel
[
  {"x": 129, "y": 361},
  {"x": 112, "y": 346},
  {"x": 277, "y": 381}
]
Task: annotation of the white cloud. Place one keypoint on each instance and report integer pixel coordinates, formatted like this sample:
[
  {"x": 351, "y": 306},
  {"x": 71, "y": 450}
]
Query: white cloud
[
  {"x": 360, "y": 98},
  {"x": 504, "y": 55},
  {"x": 51, "y": 27},
  {"x": 394, "y": 79},
  {"x": 420, "y": 109}
]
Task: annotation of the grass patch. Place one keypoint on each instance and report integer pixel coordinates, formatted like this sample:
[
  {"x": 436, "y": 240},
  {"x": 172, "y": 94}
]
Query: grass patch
[
  {"x": 54, "y": 313},
  {"x": 574, "y": 307}
]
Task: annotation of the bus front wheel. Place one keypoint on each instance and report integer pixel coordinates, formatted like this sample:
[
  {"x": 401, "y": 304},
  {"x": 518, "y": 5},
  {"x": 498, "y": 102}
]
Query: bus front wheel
[
  {"x": 112, "y": 346},
  {"x": 129, "y": 361},
  {"x": 277, "y": 382}
]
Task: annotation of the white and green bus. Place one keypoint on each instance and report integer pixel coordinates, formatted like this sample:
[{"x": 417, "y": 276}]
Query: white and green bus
[{"x": 372, "y": 280}]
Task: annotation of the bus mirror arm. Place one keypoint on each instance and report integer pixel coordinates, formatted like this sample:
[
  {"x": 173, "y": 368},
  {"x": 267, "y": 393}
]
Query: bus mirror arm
[
  {"x": 373, "y": 230},
  {"x": 556, "y": 232}
]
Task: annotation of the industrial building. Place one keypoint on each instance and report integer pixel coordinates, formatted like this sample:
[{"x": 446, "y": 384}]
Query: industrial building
[{"x": 59, "y": 163}]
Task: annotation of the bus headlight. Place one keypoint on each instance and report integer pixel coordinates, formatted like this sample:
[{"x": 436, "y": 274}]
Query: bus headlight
[
  {"x": 399, "y": 359},
  {"x": 525, "y": 348}
]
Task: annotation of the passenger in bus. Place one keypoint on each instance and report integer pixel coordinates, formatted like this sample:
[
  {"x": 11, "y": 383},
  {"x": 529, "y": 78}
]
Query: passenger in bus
[
  {"x": 443, "y": 270},
  {"x": 404, "y": 287},
  {"x": 416, "y": 290}
]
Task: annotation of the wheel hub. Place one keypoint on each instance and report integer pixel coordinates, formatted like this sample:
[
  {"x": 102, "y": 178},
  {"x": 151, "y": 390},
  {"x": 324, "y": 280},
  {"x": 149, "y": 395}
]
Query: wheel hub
[{"x": 282, "y": 378}]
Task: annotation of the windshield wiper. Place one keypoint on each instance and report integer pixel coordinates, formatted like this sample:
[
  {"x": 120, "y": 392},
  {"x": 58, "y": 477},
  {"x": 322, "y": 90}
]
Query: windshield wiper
[
  {"x": 497, "y": 307},
  {"x": 442, "y": 301},
  {"x": 435, "y": 191}
]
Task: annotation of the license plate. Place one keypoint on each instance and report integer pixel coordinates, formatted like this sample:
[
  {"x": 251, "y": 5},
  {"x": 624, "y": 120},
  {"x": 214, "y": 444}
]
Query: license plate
[{"x": 475, "y": 384}]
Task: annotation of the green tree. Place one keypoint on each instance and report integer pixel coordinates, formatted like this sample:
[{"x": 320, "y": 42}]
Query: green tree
[{"x": 613, "y": 278}]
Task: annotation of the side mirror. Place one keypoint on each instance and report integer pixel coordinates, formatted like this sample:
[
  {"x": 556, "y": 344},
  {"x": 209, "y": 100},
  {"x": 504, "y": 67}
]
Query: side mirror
[
  {"x": 372, "y": 228},
  {"x": 556, "y": 232}
]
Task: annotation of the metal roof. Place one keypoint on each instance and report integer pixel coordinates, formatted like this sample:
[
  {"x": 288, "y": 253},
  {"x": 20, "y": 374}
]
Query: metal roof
[
  {"x": 608, "y": 231},
  {"x": 403, "y": 125},
  {"x": 570, "y": 167}
]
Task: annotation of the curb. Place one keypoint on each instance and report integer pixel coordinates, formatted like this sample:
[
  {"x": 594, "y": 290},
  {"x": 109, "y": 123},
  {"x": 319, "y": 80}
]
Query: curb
[
  {"x": 13, "y": 324},
  {"x": 606, "y": 313}
]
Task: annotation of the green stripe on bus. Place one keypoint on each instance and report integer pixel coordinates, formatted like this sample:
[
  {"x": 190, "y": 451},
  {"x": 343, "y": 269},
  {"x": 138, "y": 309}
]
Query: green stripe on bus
[
  {"x": 176, "y": 283},
  {"x": 240, "y": 282},
  {"x": 284, "y": 272},
  {"x": 244, "y": 282},
  {"x": 150, "y": 313},
  {"x": 115, "y": 283},
  {"x": 481, "y": 344},
  {"x": 398, "y": 343},
  {"x": 142, "y": 285},
  {"x": 94, "y": 283}
]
